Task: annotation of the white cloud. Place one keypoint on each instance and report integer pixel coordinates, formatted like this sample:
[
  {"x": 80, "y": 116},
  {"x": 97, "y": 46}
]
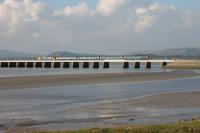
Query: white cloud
[
  {"x": 107, "y": 7},
  {"x": 147, "y": 16},
  {"x": 143, "y": 23},
  {"x": 112, "y": 26},
  {"x": 36, "y": 35},
  {"x": 16, "y": 12},
  {"x": 80, "y": 9},
  {"x": 188, "y": 18}
]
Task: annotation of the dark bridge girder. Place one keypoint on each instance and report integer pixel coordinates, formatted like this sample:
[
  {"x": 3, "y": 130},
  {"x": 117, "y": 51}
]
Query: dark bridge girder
[
  {"x": 75, "y": 64},
  {"x": 21, "y": 64},
  {"x": 13, "y": 64},
  {"x": 96, "y": 65},
  {"x": 126, "y": 65},
  {"x": 148, "y": 65},
  {"x": 164, "y": 64},
  {"x": 57, "y": 65},
  {"x": 137, "y": 64},
  {"x": 4, "y": 64},
  {"x": 38, "y": 65},
  {"x": 106, "y": 65},
  {"x": 66, "y": 65},
  {"x": 30, "y": 65},
  {"x": 86, "y": 65},
  {"x": 47, "y": 65}
]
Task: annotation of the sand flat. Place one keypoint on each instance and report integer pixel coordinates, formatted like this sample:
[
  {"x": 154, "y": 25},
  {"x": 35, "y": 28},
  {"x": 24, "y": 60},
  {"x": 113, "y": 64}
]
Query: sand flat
[
  {"x": 173, "y": 100},
  {"x": 170, "y": 100},
  {"x": 21, "y": 82},
  {"x": 184, "y": 64}
]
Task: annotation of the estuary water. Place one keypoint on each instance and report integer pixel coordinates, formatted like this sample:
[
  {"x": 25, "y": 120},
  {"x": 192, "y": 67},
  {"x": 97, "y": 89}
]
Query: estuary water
[
  {"x": 9, "y": 72},
  {"x": 82, "y": 106}
]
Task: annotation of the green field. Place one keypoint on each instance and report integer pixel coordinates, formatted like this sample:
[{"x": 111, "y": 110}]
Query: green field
[{"x": 180, "y": 127}]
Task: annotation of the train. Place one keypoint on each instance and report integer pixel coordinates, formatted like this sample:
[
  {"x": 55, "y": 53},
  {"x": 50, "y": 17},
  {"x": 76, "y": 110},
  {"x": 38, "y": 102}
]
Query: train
[{"x": 95, "y": 58}]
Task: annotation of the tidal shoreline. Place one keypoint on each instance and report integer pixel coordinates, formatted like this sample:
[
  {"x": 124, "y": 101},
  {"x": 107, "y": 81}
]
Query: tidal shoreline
[
  {"x": 22, "y": 82},
  {"x": 171, "y": 100},
  {"x": 174, "y": 100},
  {"x": 171, "y": 105}
]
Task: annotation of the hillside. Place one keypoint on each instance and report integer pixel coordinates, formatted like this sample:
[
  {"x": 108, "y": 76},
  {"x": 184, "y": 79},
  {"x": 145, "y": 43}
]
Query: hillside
[
  {"x": 167, "y": 53},
  {"x": 180, "y": 52},
  {"x": 69, "y": 54},
  {"x": 14, "y": 54},
  {"x": 171, "y": 53}
]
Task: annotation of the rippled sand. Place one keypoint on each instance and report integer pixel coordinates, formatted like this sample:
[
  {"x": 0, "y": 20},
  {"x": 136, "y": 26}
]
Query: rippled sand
[
  {"x": 170, "y": 100},
  {"x": 165, "y": 100}
]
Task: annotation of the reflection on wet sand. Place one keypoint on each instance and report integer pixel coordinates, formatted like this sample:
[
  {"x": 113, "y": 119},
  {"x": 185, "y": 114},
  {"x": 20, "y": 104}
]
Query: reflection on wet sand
[{"x": 102, "y": 105}]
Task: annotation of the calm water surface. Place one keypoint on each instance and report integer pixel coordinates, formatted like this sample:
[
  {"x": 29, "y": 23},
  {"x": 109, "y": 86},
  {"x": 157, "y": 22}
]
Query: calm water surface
[
  {"x": 6, "y": 72},
  {"x": 73, "y": 107}
]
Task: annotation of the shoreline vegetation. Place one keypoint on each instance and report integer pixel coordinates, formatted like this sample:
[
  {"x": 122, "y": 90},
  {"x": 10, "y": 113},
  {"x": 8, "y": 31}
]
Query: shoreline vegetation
[
  {"x": 184, "y": 126},
  {"x": 23, "y": 82}
]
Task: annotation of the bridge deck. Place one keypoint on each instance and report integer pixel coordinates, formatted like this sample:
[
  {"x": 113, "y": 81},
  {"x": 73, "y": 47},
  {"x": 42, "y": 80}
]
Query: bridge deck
[{"x": 111, "y": 61}]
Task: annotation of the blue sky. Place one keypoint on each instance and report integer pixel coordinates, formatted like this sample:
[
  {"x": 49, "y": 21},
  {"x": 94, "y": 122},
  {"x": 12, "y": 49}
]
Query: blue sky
[
  {"x": 180, "y": 4},
  {"x": 63, "y": 3}
]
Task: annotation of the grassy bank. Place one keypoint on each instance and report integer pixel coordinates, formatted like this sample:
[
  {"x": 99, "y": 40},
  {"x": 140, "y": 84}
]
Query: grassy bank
[
  {"x": 180, "y": 127},
  {"x": 190, "y": 126}
]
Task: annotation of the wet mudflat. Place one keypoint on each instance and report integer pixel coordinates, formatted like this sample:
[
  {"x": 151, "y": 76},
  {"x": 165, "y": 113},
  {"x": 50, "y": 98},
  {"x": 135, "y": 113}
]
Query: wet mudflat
[{"x": 110, "y": 104}]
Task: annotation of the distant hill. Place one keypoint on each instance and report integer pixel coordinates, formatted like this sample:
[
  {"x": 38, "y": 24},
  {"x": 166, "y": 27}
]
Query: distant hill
[
  {"x": 173, "y": 52},
  {"x": 14, "y": 54},
  {"x": 70, "y": 54},
  {"x": 167, "y": 53},
  {"x": 180, "y": 52}
]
